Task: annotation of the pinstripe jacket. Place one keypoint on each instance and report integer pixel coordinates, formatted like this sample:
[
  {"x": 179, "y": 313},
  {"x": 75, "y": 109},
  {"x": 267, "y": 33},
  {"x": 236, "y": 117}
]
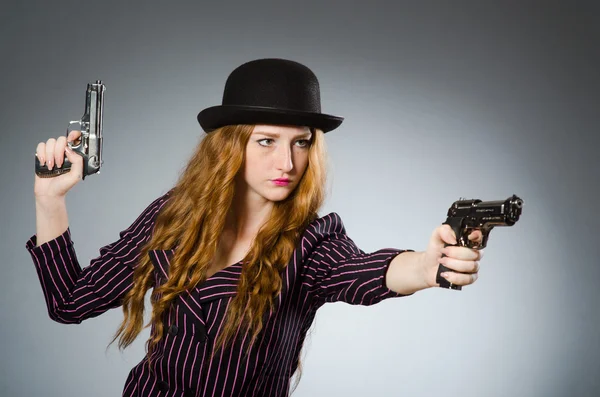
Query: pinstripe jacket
[{"x": 326, "y": 267}]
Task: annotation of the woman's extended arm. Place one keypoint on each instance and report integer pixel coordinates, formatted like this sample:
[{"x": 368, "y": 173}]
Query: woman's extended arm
[
  {"x": 414, "y": 271},
  {"x": 336, "y": 269}
]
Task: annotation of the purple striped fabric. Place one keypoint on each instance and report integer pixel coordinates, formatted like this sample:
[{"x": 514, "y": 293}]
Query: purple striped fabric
[{"x": 326, "y": 267}]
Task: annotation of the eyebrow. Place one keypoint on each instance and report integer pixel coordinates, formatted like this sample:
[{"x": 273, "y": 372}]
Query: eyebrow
[{"x": 275, "y": 135}]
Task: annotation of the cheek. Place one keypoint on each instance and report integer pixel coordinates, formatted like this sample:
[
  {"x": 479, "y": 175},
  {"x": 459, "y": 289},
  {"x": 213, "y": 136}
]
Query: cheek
[
  {"x": 256, "y": 166},
  {"x": 302, "y": 162}
]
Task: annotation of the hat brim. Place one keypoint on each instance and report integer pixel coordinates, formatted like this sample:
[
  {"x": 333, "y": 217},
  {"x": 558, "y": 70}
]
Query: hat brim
[{"x": 218, "y": 116}]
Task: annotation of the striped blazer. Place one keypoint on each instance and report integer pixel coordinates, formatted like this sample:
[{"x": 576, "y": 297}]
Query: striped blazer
[{"x": 326, "y": 266}]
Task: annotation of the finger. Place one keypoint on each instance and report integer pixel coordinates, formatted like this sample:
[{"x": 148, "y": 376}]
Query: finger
[
  {"x": 460, "y": 265},
  {"x": 460, "y": 278},
  {"x": 50, "y": 152},
  {"x": 463, "y": 253},
  {"x": 476, "y": 235},
  {"x": 74, "y": 136},
  {"x": 77, "y": 163},
  {"x": 59, "y": 151},
  {"x": 40, "y": 152}
]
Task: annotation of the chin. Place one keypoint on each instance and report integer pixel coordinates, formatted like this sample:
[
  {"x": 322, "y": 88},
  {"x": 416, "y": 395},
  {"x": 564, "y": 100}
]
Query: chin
[{"x": 277, "y": 197}]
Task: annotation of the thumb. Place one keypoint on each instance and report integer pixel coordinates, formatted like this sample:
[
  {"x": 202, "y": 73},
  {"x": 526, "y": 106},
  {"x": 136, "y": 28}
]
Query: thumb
[
  {"x": 447, "y": 235},
  {"x": 441, "y": 235}
]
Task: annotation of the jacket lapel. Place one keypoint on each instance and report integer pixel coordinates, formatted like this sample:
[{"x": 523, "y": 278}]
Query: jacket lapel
[{"x": 220, "y": 285}]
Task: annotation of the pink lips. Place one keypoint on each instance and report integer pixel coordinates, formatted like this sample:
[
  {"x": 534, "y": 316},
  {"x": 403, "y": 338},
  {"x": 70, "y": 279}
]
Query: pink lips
[{"x": 281, "y": 182}]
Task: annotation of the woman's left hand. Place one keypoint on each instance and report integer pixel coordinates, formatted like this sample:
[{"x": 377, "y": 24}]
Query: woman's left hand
[{"x": 463, "y": 260}]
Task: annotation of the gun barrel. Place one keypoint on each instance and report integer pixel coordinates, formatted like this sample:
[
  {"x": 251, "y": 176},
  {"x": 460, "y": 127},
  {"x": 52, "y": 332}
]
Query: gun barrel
[
  {"x": 509, "y": 210},
  {"x": 496, "y": 212},
  {"x": 98, "y": 97}
]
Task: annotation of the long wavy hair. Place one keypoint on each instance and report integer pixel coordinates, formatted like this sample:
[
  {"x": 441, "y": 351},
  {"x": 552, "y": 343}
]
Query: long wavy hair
[{"x": 193, "y": 220}]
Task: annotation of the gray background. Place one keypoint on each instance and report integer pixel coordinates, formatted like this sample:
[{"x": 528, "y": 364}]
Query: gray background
[{"x": 442, "y": 100}]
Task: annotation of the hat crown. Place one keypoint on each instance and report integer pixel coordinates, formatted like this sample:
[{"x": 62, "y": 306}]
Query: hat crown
[{"x": 273, "y": 83}]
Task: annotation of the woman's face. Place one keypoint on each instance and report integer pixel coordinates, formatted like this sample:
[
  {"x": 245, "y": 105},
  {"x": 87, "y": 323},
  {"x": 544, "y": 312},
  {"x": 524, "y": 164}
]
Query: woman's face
[{"x": 275, "y": 152}]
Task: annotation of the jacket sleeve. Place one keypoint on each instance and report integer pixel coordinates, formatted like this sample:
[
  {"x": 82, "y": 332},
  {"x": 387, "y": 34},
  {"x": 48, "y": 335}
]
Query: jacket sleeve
[
  {"x": 74, "y": 294},
  {"x": 338, "y": 271}
]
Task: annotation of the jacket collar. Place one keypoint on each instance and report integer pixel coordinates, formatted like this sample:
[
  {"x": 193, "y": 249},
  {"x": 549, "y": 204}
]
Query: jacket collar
[{"x": 220, "y": 285}]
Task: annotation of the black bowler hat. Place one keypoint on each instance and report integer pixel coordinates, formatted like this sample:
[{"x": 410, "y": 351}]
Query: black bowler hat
[{"x": 270, "y": 91}]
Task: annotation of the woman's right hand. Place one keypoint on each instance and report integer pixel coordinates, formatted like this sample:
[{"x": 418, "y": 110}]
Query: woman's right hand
[{"x": 52, "y": 154}]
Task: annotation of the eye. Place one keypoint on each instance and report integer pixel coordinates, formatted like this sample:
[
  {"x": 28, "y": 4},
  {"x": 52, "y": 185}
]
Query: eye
[
  {"x": 266, "y": 142},
  {"x": 305, "y": 143},
  {"x": 261, "y": 140}
]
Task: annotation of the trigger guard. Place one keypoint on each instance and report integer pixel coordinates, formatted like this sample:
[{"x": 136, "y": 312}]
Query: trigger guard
[
  {"x": 465, "y": 242},
  {"x": 75, "y": 148}
]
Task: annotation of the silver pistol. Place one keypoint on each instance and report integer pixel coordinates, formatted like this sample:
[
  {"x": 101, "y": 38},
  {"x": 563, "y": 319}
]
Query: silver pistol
[{"x": 89, "y": 144}]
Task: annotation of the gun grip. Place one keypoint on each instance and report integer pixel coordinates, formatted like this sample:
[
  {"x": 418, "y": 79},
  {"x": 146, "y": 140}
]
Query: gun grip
[
  {"x": 456, "y": 227},
  {"x": 43, "y": 172},
  {"x": 441, "y": 280}
]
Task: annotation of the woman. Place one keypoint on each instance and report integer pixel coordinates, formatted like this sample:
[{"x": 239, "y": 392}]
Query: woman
[{"x": 236, "y": 254}]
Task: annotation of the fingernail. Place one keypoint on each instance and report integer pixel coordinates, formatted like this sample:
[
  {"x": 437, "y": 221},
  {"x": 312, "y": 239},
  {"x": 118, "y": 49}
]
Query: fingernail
[{"x": 445, "y": 275}]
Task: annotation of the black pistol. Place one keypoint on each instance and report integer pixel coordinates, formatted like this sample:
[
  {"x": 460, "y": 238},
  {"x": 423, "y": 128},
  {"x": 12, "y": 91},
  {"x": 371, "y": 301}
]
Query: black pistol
[
  {"x": 466, "y": 216},
  {"x": 89, "y": 144}
]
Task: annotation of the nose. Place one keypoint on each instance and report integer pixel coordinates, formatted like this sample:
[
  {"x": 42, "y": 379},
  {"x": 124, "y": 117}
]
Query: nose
[{"x": 284, "y": 161}]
